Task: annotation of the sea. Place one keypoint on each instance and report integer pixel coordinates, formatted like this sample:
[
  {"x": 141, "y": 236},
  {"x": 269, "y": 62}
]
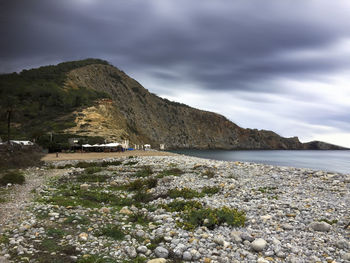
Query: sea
[{"x": 332, "y": 161}]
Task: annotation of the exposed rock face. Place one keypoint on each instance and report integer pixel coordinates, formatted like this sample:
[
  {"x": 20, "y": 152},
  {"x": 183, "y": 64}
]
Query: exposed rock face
[{"x": 140, "y": 116}]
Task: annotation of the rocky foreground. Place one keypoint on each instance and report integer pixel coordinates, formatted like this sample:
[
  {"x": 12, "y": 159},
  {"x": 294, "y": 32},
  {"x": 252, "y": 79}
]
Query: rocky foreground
[{"x": 182, "y": 209}]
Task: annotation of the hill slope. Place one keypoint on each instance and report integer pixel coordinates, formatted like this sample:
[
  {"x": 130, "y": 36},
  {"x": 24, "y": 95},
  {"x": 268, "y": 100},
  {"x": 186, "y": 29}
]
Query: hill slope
[{"x": 93, "y": 98}]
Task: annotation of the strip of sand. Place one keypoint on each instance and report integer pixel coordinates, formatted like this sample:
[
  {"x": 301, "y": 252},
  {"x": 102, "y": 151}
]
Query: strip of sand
[{"x": 101, "y": 155}]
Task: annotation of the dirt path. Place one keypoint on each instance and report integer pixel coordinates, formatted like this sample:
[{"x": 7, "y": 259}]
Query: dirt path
[
  {"x": 18, "y": 196},
  {"x": 98, "y": 155}
]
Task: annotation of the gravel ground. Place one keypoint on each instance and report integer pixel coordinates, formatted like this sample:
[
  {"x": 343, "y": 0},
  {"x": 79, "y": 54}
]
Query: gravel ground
[{"x": 182, "y": 209}]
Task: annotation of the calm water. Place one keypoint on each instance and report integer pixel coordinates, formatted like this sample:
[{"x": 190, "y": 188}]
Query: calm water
[{"x": 334, "y": 161}]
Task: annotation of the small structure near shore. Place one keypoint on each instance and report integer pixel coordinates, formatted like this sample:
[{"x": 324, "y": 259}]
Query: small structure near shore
[{"x": 147, "y": 147}]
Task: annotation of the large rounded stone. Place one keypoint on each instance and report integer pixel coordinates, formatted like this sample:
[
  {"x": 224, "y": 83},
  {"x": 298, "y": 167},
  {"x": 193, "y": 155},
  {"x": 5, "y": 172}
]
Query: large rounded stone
[
  {"x": 161, "y": 252},
  {"x": 258, "y": 244},
  {"x": 321, "y": 226}
]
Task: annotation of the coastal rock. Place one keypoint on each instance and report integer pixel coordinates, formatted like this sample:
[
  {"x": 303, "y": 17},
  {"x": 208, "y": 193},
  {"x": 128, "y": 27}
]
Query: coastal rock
[
  {"x": 258, "y": 244},
  {"x": 161, "y": 252},
  {"x": 320, "y": 226}
]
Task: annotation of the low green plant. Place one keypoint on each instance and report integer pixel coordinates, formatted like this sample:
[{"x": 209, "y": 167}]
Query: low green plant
[
  {"x": 144, "y": 172},
  {"x": 12, "y": 177},
  {"x": 155, "y": 242},
  {"x": 140, "y": 184},
  {"x": 139, "y": 218},
  {"x": 186, "y": 193},
  {"x": 142, "y": 197},
  {"x": 93, "y": 169},
  {"x": 92, "y": 178},
  {"x": 4, "y": 239},
  {"x": 209, "y": 173},
  {"x": 112, "y": 231},
  {"x": 210, "y": 190},
  {"x": 170, "y": 172},
  {"x": 212, "y": 217},
  {"x": 54, "y": 232}
]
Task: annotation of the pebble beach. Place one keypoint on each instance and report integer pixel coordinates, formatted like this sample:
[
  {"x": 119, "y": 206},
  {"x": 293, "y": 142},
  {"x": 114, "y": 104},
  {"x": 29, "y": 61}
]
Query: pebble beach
[{"x": 145, "y": 209}]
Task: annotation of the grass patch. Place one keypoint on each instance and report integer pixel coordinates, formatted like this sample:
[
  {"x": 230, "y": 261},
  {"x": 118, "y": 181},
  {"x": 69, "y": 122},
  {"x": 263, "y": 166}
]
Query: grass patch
[
  {"x": 185, "y": 193},
  {"x": 12, "y": 177},
  {"x": 212, "y": 217},
  {"x": 92, "y": 178},
  {"x": 210, "y": 190},
  {"x": 139, "y": 218},
  {"x": 4, "y": 239},
  {"x": 91, "y": 164},
  {"x": 155, "y": 242},
  {"x": 55, "y": 233},
  {"x": 139, "y": 184},
  {"x": 144, "y": 172},
  {"x": 209, "y": 173},
  {"x": 142, "y": 197},
  {"x": 112, "y": 231},
  {"x": 93, "y": 169},
  {"x": 89, "y": 199},
  {"x": 170, "y": 172}
]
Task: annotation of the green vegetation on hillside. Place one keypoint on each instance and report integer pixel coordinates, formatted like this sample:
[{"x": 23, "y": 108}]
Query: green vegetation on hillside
[{"x": 39, "y": 101}]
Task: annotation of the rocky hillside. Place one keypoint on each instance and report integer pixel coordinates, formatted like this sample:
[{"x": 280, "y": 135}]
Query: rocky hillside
[
  {"x": 123, "y": 109},
  {"x": 149, "y": 118}
]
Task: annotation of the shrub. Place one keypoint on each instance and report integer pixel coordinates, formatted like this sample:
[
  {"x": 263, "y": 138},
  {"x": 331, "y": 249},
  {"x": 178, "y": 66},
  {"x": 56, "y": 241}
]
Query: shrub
[
  {"x": 90, "y": 177},
  {"x": 112, "y": 231},
  {"x": 93, "y": 169},
  {"x": 208, "y": 190},
  {"x": 209, "y": 173},
  {"x": 213, "y": 217},
  {"x": 142, "y": 184},
  {"x": 172, "y": 171},
  {"x": 12, "y": 177},
  {"x": 54, "y": 232},
  {"x": 142, "y": 197},
  {"x": 186, "y": 193},
  {"x": 144, "y": 172},
  {"x": 139, "y": 218}
]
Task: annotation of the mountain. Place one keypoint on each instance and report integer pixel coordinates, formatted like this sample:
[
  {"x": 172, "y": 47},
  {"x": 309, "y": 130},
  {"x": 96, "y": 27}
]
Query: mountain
[{"x": 94, "y": 100}]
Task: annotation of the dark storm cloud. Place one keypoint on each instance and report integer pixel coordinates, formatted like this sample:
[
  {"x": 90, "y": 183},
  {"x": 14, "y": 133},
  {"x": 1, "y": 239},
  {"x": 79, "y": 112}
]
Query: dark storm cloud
[
  {"x": 260, "y": 51},
  {"x": 223, "y": 42}
]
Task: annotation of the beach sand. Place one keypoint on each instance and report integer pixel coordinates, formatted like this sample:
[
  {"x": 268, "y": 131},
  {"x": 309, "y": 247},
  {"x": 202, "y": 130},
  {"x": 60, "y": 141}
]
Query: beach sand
[{"x": 101, "y": 155}]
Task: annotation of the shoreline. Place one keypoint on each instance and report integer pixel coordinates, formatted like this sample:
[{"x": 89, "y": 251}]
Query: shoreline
[{"x": 292, "y": 214}]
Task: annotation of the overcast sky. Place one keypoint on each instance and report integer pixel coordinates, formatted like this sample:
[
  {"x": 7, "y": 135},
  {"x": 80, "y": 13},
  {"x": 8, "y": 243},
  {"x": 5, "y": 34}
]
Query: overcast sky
[{"x": 277, "y": 65}]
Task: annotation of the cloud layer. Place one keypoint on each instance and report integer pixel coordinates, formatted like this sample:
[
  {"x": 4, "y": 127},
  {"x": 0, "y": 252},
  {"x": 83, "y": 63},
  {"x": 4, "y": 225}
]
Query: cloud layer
[{"x": 279, "y": 65}]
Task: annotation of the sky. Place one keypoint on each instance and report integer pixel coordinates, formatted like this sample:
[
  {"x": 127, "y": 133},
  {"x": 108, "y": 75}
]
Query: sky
[{"x": 275, "y": 65}]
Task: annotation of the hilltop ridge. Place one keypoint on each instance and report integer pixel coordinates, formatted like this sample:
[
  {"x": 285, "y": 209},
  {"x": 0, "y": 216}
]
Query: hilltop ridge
[{"x": 95, "y": 99}]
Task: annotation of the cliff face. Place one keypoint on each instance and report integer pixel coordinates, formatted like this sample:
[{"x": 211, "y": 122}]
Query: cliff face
[{"x": 138, "y": 115}]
